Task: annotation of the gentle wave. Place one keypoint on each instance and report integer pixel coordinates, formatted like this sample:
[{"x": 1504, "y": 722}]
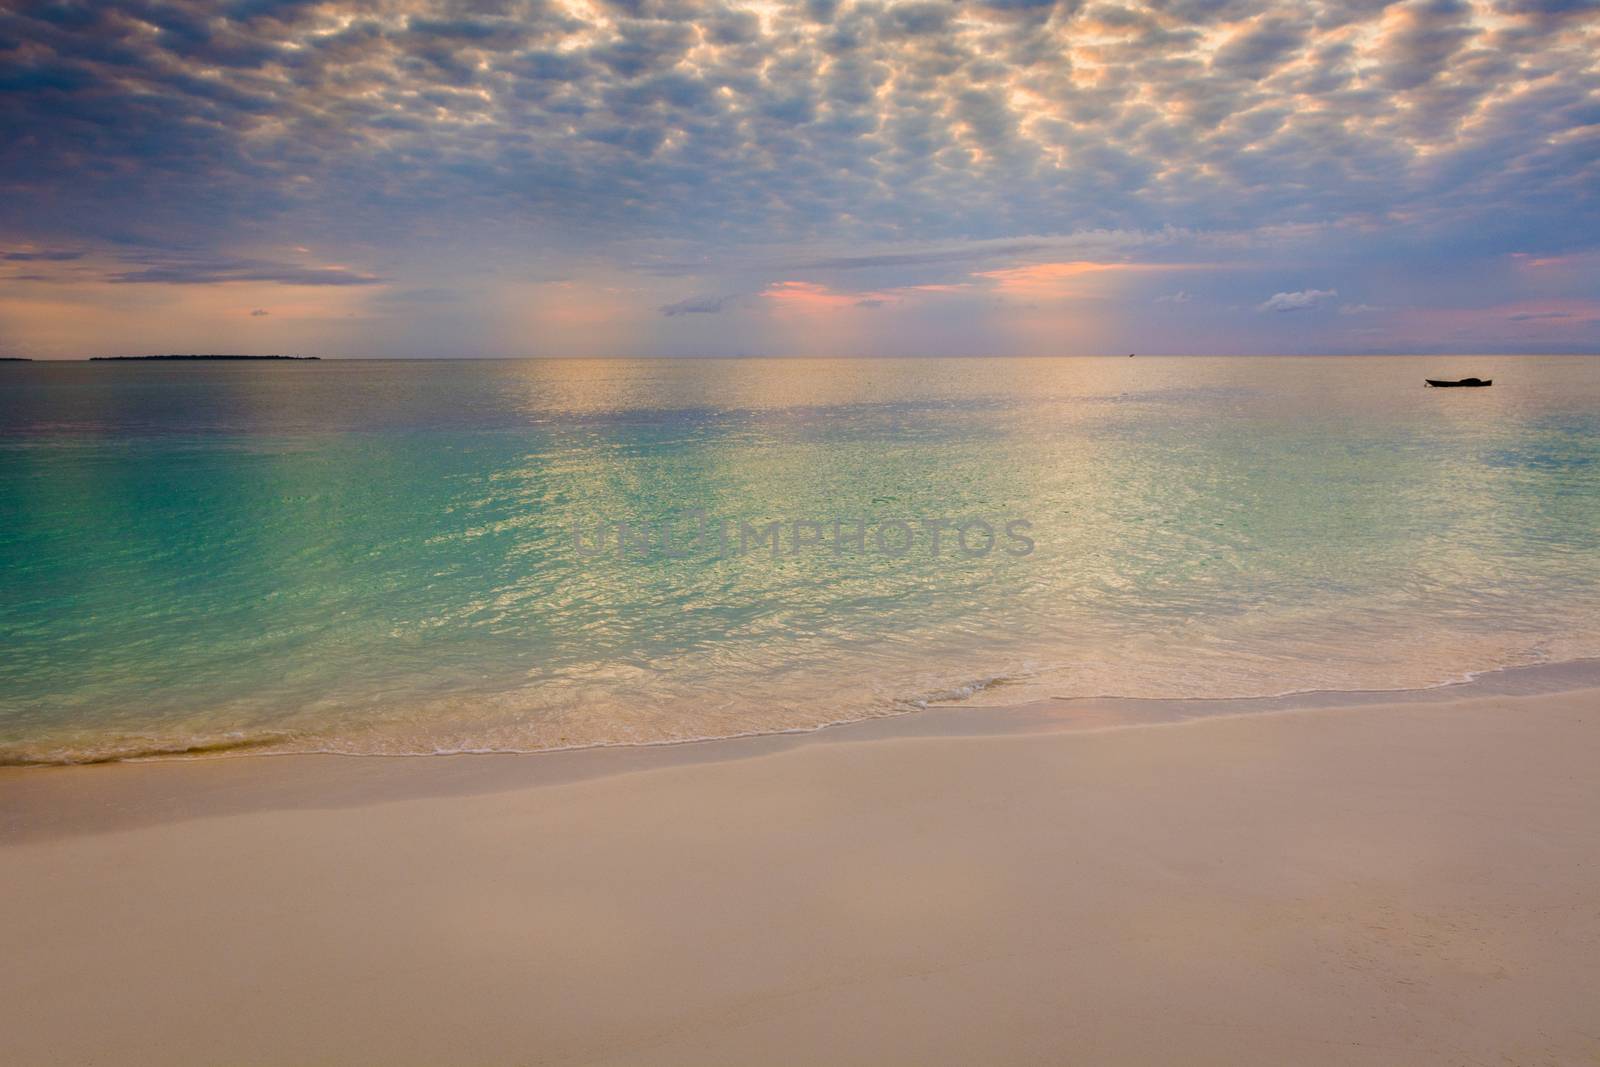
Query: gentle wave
[{"x": 1551, "y": 677}]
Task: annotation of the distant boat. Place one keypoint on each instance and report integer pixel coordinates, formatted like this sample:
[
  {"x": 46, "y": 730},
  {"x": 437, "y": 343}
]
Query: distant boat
[{"x": 1440, "y": 383}]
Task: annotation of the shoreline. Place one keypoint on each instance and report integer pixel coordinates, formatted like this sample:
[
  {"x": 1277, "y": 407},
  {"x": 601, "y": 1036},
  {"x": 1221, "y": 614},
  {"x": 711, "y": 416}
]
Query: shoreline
[
  {"x": 1389, "y": 882},
  {"x": 1096, "y": 711},
  {"x": 42, "y": 800}
]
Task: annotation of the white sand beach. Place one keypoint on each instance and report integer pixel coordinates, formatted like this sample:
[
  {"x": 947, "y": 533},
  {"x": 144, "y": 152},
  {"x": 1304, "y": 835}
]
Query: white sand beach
[{"x": 1408, "y": 884}]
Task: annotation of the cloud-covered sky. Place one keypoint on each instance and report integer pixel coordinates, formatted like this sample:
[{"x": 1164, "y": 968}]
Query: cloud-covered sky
[{"x": 680, "y": 177}]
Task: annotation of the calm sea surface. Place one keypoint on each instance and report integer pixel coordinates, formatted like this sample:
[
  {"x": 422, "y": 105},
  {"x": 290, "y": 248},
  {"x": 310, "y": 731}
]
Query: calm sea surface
[{"x": 380, "y": 557}]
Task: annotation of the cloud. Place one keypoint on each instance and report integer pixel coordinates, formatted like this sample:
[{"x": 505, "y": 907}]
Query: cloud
[
  {"x": 1537, "y": 316},
  {"x": 464, "y": 145},
  {"x": 911, "y": 121},
  {"x": 697, "y": 305},
  {"x": 206, "y": 271},
  {"x": 965, "y": 254},
  {"x": 1259, "y": 49},
  {"x": 1297, "y": 301},
  {"x": 40, "y": 257},
  {"x": 810, "y": 297},
  {"x": 259, "y": 312}
]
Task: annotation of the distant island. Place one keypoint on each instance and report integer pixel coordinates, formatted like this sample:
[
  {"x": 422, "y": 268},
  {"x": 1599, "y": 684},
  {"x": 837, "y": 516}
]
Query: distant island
[
  {"x": 15, "y": 359},
  {"x": 100, "y": 359}
]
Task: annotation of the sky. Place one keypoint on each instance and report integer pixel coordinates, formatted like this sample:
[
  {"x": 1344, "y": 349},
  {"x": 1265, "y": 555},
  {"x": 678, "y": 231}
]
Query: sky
[{"x": 506, "y": 178}]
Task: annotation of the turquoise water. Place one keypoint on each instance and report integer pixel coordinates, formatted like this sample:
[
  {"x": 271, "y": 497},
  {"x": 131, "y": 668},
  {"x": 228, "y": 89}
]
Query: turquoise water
[{"x": 380, "y": 557}]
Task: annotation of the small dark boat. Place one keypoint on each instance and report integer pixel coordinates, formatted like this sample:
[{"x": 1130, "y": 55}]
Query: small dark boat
[{"x": 1439, "y": 383}]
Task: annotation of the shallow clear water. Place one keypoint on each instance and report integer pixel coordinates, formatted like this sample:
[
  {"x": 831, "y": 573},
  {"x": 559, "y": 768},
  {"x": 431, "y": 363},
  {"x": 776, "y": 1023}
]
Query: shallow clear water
[{"x": 380, "y": 557}]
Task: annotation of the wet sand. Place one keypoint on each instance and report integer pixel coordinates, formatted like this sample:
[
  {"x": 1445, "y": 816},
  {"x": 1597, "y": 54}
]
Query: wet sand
[{"x": 1408, "y": 883}]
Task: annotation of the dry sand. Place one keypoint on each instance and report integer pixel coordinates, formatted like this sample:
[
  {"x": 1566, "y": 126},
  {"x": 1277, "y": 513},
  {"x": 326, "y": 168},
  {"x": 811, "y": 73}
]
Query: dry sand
[{"x": 1411, "y": 884}]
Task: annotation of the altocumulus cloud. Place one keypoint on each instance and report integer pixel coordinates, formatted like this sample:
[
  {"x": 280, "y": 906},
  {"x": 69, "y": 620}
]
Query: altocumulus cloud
[
  {"x": 696, "y": 305},
  {"x": 897, "y": 120},
  {"x": 1297, "y": 301},
  {"x": 40, "y": 257}
]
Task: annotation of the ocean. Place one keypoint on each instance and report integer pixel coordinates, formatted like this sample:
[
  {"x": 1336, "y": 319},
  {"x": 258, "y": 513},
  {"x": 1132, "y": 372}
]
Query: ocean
[{"x": 416, "y": 557}]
